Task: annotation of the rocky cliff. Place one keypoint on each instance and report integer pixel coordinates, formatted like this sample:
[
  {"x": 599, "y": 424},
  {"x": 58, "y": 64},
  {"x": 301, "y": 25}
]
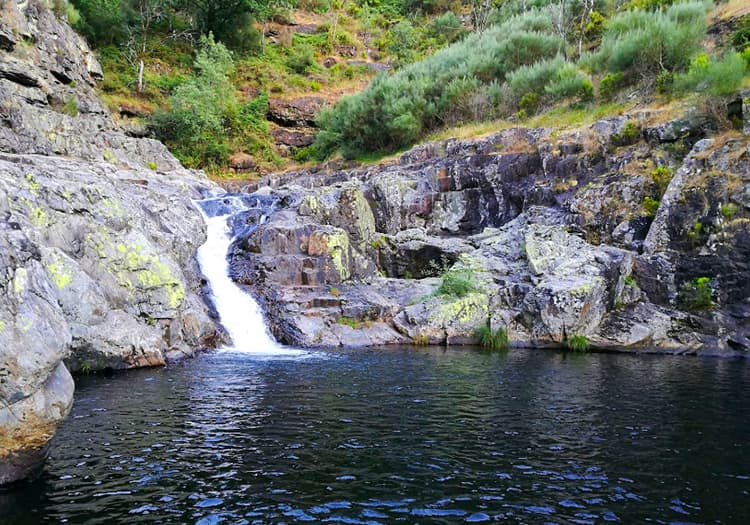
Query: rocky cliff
[
  {"x": 633, "y": 233},
  {"x": 97, "y": 236}
]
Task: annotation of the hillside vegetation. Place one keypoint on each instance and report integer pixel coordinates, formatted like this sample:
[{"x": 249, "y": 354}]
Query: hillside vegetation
[
  {"x": 201, "y": 74},
  {"x": 581, "y": 52}
]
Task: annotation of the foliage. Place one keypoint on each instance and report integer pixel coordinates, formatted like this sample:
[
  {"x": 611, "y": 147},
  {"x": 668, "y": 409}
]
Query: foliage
[
  {"x": 661, "y": 176},
  {"x": 741, "y": 35},
  {"x": 696, "y": 294},
  {"x": 646, "y": 43},
  {"x": 493, "y": 340},
  {"x": 302, "y": 59},
  {"x": 395, "y": 111},
  {"x": 577, "y": 343},
  {"x": 630, "y": 134},
  {"x": 610, "y": 84},
  {"x": 715, "y": 77},
  {"x": 728, "y": 210},
  {"x": 569, "y": 81},
  {"x": 650, "y": 206},
  {"x": 201, "y": 108},
  {"x": 71, "y": 107},
  {"x": 533, "y": 78},
  {"x": 457, "y": 283}
]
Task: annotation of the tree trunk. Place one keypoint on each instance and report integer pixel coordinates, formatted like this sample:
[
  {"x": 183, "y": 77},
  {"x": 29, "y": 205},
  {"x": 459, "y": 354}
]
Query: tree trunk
[{"x": 140, "y": 76}]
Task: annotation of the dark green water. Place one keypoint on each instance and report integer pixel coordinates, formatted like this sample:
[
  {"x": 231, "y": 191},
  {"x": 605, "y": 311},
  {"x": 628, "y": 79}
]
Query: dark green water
[{"x": 403, "y": 436}]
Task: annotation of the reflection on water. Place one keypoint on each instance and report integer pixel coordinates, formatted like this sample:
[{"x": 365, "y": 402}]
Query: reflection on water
[{"x": 408, "y": 436}]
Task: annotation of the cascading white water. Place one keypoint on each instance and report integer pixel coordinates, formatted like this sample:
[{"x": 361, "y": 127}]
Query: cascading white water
[{"x": 238, "y": 312}]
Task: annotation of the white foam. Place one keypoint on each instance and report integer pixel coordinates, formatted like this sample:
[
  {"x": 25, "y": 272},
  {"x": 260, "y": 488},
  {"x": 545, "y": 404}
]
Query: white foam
[{"x": 239, "y": 313}]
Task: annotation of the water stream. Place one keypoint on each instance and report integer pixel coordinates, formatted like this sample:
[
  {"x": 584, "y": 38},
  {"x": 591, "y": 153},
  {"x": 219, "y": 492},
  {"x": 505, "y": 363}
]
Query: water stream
[{"x": 240, "y": 314}]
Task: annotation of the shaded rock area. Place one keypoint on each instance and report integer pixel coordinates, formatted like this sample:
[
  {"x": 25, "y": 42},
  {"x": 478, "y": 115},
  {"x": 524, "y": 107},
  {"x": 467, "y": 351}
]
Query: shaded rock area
[
  {"x": 613, "y": 232},
  {"x": 97, "y": 237}
]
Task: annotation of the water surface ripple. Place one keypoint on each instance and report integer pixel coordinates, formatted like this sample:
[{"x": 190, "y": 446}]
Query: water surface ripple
[{"x": 403, "y": 436}]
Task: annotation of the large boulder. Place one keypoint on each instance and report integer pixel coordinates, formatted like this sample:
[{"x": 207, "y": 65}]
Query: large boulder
[{"x": 98, "y": 233}]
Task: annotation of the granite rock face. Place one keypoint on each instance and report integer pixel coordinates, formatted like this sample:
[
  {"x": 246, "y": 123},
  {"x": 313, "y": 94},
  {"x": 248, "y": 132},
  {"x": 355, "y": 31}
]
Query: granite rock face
[
  {"x": 585, "y": 233},
  {"x": 97, "y": 237}
]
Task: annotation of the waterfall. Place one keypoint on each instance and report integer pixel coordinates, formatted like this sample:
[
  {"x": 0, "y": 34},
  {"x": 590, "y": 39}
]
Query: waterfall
[{"x": 239, "y": 313}]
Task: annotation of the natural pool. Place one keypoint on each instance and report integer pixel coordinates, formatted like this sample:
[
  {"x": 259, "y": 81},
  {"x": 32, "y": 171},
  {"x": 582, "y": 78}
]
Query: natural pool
[{"x": 403, "y": 435}]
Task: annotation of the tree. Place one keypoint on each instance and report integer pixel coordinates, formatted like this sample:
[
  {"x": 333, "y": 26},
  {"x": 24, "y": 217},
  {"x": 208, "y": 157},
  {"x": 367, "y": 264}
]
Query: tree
[{"x": 230, "y": 21}]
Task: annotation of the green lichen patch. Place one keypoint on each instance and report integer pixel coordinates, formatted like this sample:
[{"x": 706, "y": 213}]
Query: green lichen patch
[{"x": 59, "y": 272}]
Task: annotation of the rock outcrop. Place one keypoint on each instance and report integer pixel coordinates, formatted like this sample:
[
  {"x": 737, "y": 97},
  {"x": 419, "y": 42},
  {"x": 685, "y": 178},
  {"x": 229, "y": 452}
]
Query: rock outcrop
[
  {"x": 97, "y": 237},
  {"x": 579, "y": 234}
]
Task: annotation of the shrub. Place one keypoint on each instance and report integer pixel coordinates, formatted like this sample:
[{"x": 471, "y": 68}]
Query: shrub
[
  {"x": 610, "y": 84},
  {"x": 630, "y": 134},
  {"x": 397, "y": 110},
  {"x": 569, "y": 81},
  {"x": 497, "y": 340},
  {"x": 649, "y": 42},
  {"x": 533, "y": 78},
  {"x": 728, "y": 210},
  {"x": 718, "y": 78},
  {"x": 696, "y": 294},
  {"x": 201, "y": 109},
  {"x": 529, "y": 103},
  {"x": 661, "y": 176},
  {"x": 447, "y": 28},
  {"x": 741, "y": 35},
  {"x": 457, "y": 283},
  {"x": 71, "y": 107},
  {"x": 650, "y": 206},
  {"x": 664, "y": 81},
  {"x": 577, "y": 343},
  {"x": 301, "y": 59}
]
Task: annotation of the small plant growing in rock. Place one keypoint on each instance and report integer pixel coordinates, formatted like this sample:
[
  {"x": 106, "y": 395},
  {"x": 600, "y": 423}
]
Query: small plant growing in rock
[
  {"x": 71, "y": 107},
  {"x": 630, "y": 281},
  {"x": 334, "y": 291},
  {"x": 629, "y": 134},
  {"x": 650, "y": 206},
  {"x": 349, "y": 321},
  {"x": 421, "y": 340},
  {"x": 457, "y": 283},
  {"x": 662, "y": 176},
  {"x": 577, "y": 343},
  {"x": 728, "y": 210},
  {"x": 492, "y": 340},
  {"x": 696, "y": 294},
  {"x": 152, "y": 166}
]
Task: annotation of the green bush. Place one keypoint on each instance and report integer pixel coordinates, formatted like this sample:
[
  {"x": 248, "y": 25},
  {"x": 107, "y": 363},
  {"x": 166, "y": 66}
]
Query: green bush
[
  {"x": 720, "y": 78},
  {"x": 696, "y": 294},
  {"x": 529, "y": 103},
  {"x": 577, "y": 343},
  {"x": 201, "y": 109},
  {"x": 610, "y": 85},
  {"x": 650, "y": 206},
  {"x": 630, "y": 134},
  {"x": 533, "y": 78},
  {"x": 397, "y": 110},
  {"x": 447, "y": 28},
  {"x": 301, "y": 59},
  {"x": 71, "y": 107},
  {"x": 457, "y": 283},
  {"x": 569, "y": 81},
  {"x": 497, "y": 340},
  {"x": 728, "y": 210},
  {"x": 661, "y": 177},
  {"x": 646, "y": 43},
  {"x": 741, "y": 35},
  {"x": 664, "y": 82}
]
